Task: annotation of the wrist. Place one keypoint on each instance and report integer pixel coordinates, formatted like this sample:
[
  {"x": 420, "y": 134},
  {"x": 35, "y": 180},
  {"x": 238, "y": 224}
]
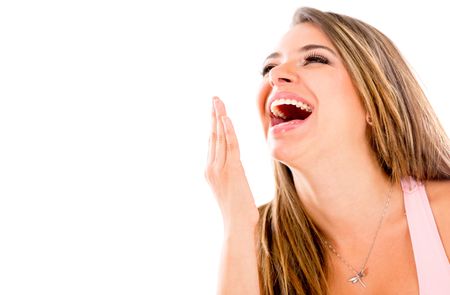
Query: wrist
[{"x": 242, "y": 228}]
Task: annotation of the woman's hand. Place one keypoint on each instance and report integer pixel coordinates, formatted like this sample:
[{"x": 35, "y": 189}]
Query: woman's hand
[{"x": 225, "y": 174}]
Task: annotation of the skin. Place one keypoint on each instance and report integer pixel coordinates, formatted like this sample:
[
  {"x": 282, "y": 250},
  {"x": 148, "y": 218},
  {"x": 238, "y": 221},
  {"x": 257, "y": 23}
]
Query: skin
[
  {"x": 225, "y": 175},
  {"x": 339, "y": 180},
  {"x": 335, "y": 173}
]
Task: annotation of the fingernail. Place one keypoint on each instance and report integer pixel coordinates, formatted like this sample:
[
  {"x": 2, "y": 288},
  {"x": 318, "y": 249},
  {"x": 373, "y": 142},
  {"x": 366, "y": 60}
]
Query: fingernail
[{"x": 216, "y": 102}]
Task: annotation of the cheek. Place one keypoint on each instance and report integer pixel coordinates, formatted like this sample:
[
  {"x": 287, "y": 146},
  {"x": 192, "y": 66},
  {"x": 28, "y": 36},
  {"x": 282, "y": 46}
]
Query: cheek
[
  {"x": 336, "y": 90},
  {"x": 355, "y": 110},
  {"x": 339, "y": 103},
  {"x": 344, "y": 112}
]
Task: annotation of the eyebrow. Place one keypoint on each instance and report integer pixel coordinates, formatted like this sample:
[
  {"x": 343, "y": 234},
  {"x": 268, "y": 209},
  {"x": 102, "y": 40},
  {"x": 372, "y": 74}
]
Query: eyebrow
[{"x": 303, "y": 49}]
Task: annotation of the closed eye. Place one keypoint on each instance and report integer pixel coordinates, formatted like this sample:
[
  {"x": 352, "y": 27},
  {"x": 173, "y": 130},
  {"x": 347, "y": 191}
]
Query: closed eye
[
  {"x": 311, "y": 58},
  {"x": 267, "y": 69},
  {"x": 315, "y": 58}
]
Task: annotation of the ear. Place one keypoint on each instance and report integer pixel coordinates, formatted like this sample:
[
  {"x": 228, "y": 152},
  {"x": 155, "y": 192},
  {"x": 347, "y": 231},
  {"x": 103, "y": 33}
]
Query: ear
[{"x": 369, "y": 119}]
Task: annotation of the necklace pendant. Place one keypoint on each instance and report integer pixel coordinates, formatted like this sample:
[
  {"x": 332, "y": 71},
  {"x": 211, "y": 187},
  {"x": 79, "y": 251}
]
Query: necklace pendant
[{"x": 358, "y": 278}]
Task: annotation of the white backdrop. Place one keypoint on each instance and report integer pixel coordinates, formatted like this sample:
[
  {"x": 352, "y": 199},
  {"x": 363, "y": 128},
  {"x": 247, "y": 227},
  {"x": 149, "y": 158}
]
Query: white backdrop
[{"x": 104, "y": 122}]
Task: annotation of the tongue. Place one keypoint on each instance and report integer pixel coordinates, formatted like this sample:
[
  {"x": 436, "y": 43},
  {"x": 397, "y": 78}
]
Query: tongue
[
  {"x": 277, "y": 120},
  {"x": 293, "y": 113}
]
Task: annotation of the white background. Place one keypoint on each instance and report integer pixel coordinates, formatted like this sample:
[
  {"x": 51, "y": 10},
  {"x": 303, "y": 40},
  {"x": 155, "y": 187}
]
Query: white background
[{"x": 104, "y": 122}]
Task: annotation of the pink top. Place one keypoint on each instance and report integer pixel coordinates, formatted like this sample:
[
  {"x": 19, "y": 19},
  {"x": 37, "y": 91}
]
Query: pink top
[{"x": 433, "y": 268}]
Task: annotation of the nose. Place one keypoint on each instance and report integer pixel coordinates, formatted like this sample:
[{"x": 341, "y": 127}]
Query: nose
[{"x": 282, "y": 74}]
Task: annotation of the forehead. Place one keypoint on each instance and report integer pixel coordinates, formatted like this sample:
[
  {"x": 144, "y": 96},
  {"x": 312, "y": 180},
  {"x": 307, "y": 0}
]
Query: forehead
[{"x": 301, "y": 35}]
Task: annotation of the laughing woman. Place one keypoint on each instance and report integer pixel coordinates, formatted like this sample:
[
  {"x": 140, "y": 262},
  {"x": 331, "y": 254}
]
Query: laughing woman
[{"x": 362, "y": 170}]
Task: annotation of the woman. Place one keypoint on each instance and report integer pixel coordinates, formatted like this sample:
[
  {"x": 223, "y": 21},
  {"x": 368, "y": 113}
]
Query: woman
[{"x": 362, "y": 169}]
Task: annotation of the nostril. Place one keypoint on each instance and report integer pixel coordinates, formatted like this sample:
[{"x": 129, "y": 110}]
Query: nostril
[
  {"x": 280, "y": 81},
  {"x": 284, "y": 80}
]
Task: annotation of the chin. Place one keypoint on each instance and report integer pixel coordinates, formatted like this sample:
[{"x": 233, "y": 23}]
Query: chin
[
  {"x": 284, "y": 151},
  {"x": 298, "y": 149}
]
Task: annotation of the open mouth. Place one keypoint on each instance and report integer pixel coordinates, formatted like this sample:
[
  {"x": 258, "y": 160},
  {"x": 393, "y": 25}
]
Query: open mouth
[{"x": 285, "y": 110}]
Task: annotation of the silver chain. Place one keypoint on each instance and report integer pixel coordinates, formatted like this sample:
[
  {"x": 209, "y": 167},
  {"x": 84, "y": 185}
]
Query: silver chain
[{"x": 360, "y": 274}]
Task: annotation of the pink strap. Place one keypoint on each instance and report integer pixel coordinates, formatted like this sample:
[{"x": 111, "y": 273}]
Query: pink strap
[{"x": 433, "y": 269}]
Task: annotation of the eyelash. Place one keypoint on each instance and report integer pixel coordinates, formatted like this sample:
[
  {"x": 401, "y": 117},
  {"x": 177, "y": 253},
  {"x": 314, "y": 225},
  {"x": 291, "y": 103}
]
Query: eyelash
[{"x": 311, "y": 58}]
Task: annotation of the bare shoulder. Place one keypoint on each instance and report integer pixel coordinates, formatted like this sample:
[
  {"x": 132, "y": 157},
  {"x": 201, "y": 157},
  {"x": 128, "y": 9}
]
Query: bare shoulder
[{"x": 439, "y": 195}]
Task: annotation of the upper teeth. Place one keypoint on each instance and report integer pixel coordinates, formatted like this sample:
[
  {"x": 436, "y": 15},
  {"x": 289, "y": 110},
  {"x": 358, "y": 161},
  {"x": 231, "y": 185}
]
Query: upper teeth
[{"x": 282, "y": 101}]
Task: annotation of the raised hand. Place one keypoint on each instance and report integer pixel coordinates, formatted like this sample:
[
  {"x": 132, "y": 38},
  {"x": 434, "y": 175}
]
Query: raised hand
[{"x": 225, "y": 174}]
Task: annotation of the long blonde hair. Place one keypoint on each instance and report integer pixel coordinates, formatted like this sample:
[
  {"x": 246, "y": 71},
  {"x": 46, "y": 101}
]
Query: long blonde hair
[{"x": 405, "y": 135}]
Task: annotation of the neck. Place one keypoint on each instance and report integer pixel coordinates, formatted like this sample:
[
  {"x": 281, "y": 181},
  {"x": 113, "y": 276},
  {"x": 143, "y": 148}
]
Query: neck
[{"x": 345, "y": 196}]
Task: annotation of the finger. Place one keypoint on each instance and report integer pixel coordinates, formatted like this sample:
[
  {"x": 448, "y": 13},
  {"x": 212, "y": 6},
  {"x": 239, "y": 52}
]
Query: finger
[
  {"x": 213, "y": 136},
  {"x": 220, "y": 153},
  {"x": 220, "y": 108},
  {"x": 232, "y": 144}
]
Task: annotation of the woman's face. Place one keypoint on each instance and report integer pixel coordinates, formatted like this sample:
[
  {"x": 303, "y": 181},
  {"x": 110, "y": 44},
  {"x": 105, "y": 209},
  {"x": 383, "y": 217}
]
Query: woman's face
[{"x": 306, "y": 70}]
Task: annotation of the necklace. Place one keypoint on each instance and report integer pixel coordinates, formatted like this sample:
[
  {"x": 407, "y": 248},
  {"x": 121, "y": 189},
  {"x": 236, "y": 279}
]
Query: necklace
[{"x": 358, "y": 277}]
